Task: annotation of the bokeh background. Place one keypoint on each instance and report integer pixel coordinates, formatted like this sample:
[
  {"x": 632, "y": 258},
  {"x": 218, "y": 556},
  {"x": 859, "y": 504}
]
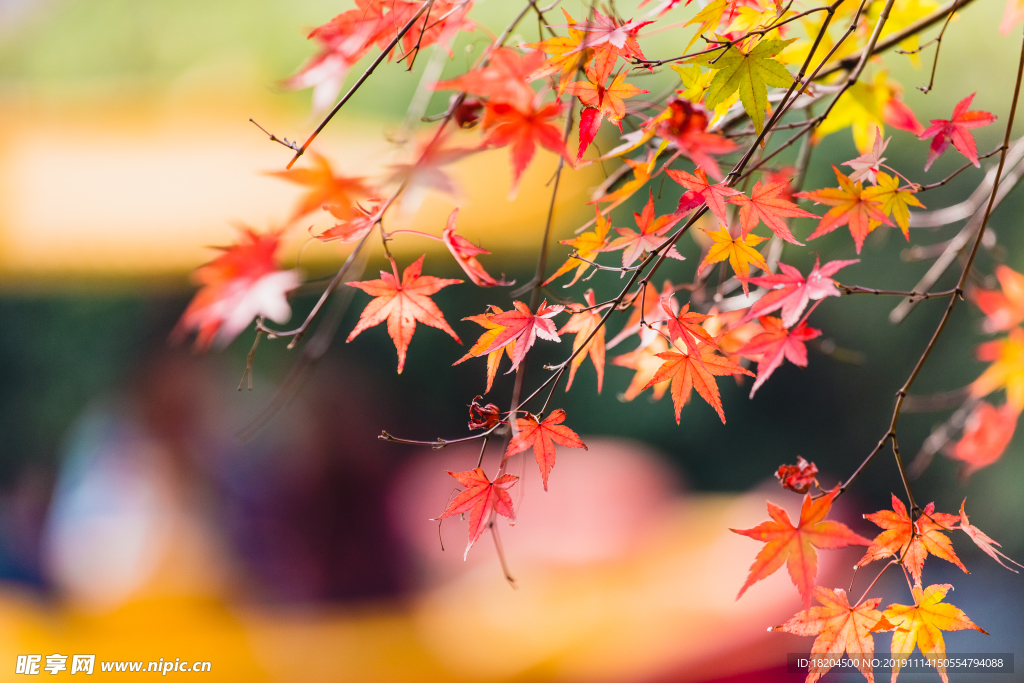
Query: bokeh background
[{"x": 135, "y": 524}]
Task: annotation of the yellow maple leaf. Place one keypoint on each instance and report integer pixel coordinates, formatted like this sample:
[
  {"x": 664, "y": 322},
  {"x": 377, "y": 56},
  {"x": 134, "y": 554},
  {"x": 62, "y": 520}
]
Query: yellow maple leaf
[
  {"x": 739, "y": 250},
  {"x": 895, "y": 202},
  {"x": 1006, "y": 371}
]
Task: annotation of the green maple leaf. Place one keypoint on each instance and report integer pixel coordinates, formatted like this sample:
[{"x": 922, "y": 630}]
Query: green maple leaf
[{"x": 751, "y": 73}]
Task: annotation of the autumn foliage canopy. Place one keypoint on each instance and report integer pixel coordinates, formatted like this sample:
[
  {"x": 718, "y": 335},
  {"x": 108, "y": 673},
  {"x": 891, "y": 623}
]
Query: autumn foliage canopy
[{"x": 757, "y": 86}]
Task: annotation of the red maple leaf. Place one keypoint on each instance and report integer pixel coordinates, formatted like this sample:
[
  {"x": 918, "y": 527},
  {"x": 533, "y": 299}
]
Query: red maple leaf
[
  {"x": 984, "y": 541},
  {"x": 799, "y": 477},
  {"x": 775, "y": 343},
  {"x": 766, "y": 204},
  {"x": 242, "y": 283},
  {"x": 523, "y": 129},
  {"x": 1005, "y": 309},
  {"x": 651, "y": 235},
  {"x": 584, "y": 321},
  {"x": 852, "y": 205},
  {"x": 465, "y": 253},
  {"x": 543, "y": 436},
  {"x": 505, "y": 78},
  {"x": 714, "y": 196},
  {"x": 955, "y": 130},
  {"x": 987, "y": 433},
  {"x": 482, "y": 498},
  {"x": 795, "y": 545},
  {"x": 402, "y": 304},
  {"x": 791, "y": 291},
  {"x": 686, "y": 126},
  {"x": 900, "y": 539},
  {"x": 522, "y": 327}
]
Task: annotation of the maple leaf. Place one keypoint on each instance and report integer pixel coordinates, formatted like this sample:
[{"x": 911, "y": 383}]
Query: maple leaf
[
  {"x": 567, "y": 55},
  {"x": 695, "y": 372},
  {"x": 505, "y": 79},
  {"x": 791, "y": 292},
  {"x": 482, "y": 498},
  {"x": 750, "y": 73},
  {"x": 483, "y": 416},
  {"x": 651, "y": 235},
  {"x": 325, "y": 188},
  {"x": 427, "y": 172},
  {"x": 522, "y": 327},
  {"x": 465, "y": 253},
  {"x": 686, "y": 126},
  {"x": 609, "y": 30},
  {"x": 645, "y": 361},
  {"x": 739, "y": 250},
  {"x": 1006, "y": 371},
  {"x": 485, "y": 340},
  {"x": 686, "y": 326},
  {"x": 987, "y": 433},
  {"x": 799, "y": 477},
  {"x": 1004, "y": 309},
  {"x": 894, "y": 200},
  {"x": 955, "y": 130},
  {"x": 354, "y": 227},
  {"x": 587, "y": 245},
  {"x": 523, "y": 130},
  {"x": 401, "y": 304},
  {"x": 853, "y": 205},
  {"x": 1013, "y": 14},
  {"x": 713, "y": 195},
  {"x": 922, "y": 624},
  {"x": 651, "y": 308},
  {"x": 775, "y": 343},
  {"x": 766, "y": 205},
  {"x": 583, "y": 323},
  {"x": 601, "y": 101},
  {"x": 795, "y": 545},
  {"x": 866, "y": 166},
  {"x": 901, "y": 540},
  {"x": 708, "y": 18},
  {"x": 839, "y": 628},
  {"x": 641, "y": 174},
  {"x": 242, "y": 283},
  {"x": 542, "y": 437},
  {"x": 984, "y": 541}
]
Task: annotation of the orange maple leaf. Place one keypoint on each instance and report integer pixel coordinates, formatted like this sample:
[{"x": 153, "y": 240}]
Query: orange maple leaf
[
  {"x": 485, "y": 340},
  {"x": 583, "y": 323},
  {"x": 922, "y": 624},
  {"x": 766, "y": 204},
  {"x": 852, "y": 205},
  {"x": 795, "y": 545},
  {"x": 645, "y": 361},
  {"x": 901, "y": 539},
  {"x": 601, "y": 101},
  {"x": 714, "y": 196},
  {"x": 689, "y": 371},
  {"x": 325, "y": 189},
  {"x": 542, "y": 436},
  {"x": 1005, "y": 309},
  {"x": 402, "y": 304},
  {"x": 587, "y": 245},
  {"x": 482, "y": 498},
  {"x": 567, "y": 55},
  {"x": 839, "y": 628}
]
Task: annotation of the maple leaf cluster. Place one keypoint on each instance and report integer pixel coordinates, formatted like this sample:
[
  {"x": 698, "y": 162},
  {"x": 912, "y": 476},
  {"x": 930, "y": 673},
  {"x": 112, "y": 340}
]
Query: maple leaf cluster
[{"x": 742, "y": 310}]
